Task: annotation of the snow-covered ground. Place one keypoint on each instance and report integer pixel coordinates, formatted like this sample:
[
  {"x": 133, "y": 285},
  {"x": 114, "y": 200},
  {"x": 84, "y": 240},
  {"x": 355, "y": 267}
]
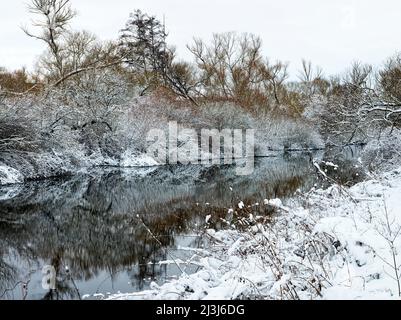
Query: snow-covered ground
[
  {"x": 133, "y": 159},
  {"x": 9, "y": 175},
  {"x": 328, "y": 244}
]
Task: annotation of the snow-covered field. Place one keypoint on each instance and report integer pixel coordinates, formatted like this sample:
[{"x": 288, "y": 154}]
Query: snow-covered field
[{"x": 328, "y": 244}]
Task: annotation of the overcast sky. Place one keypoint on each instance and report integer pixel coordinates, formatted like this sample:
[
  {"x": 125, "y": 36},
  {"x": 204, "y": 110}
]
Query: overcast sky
[{"x": 330, "y": 33}]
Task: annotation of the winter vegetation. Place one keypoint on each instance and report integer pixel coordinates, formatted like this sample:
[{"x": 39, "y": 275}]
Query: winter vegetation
[
  {"x": 329, "y": 244},
  {"x": 91, "y": 103}
]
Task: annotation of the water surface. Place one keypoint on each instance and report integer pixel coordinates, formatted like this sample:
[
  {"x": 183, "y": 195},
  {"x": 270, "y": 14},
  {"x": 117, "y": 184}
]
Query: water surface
[{"x": 105, "y": 231}]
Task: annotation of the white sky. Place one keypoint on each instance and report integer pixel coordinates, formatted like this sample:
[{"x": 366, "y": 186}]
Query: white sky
[{"x": 330, "y": 33}]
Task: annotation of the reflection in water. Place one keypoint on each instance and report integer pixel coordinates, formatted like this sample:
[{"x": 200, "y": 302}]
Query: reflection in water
[{"x": 87, "y": 226}]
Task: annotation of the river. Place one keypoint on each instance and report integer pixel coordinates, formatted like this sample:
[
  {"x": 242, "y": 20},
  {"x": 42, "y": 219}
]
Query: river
[{"x": 106, "y": 230}]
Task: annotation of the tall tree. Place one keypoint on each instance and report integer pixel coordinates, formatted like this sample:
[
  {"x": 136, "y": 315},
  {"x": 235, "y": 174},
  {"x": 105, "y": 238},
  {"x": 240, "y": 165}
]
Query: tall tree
[
  {"x": 68, "y": 53},
  {"x": 232, "y": 68},
  {"x": 144, "y": 48},
  {"x": 54, "y": 17}
]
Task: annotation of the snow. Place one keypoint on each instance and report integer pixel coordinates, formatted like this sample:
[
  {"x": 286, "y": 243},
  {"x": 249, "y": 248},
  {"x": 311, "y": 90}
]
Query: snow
[
  {"x": 130, "y": 159},
  {"x": 275, "y": 203},
  {"x": 16, "y": 168},
  {"x": 330, "y": 244},
  {"x": 330, "y": 164},
  {"x": 369, "y": 229},
  {"x": 9, "y": 175},
  {"x": 98, "y": 159},
  {"x": 9, "y": 192},
  {"x": 317, "y": 166}
]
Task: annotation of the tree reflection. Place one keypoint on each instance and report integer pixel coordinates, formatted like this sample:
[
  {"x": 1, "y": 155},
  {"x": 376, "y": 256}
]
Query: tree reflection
[{"x": 88, "y": 225}]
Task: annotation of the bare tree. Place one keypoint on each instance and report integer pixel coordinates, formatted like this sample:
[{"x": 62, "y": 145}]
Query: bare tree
[
  {"x": 312, "y": 79},
  {"x": 67, "y": 52},
  {"x": 228, "y": 65},
  {"x": 274, "y": 76},
  {"x": 389, "y": 82},
  {"x": 342, "y": 120},
  {"x": 53, "y": 22},
  {"x": 232, "y": 68}
]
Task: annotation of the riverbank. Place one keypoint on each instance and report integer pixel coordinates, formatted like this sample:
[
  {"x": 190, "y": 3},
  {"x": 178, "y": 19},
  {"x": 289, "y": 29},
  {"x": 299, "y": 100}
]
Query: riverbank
[
  {"x": 20, "y": 167},
  {"x": 339, "y": 243},
  {"x": 24, "y": 167}
]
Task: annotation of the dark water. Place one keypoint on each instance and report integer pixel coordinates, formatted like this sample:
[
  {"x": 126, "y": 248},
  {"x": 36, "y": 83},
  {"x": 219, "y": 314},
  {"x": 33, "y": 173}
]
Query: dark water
[{"x": 106, "y": 231}]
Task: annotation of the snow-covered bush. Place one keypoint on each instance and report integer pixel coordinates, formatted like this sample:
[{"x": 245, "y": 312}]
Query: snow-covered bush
[
  {"x": 82, "y": 126},
  {"x": 277, "y": 134},
  {"x": 18, "y": 131},
  {"x": 385, "y": 152},
  {"x": 225, "y": 116},
  {"x": 137, "y": 118},
  {"x": 34, "y": 143}
]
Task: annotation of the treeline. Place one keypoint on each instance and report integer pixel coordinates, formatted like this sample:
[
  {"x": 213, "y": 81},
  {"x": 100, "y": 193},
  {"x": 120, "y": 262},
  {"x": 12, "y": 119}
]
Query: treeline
[
  {"x": 229, "y": 68},
  {"x": 104, "y": 92}
]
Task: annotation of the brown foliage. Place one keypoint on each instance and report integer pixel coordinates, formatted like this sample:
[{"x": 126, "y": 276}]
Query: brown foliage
[
  {"x": 16, "y": 81},
  {"x": 232, "y": 68}
]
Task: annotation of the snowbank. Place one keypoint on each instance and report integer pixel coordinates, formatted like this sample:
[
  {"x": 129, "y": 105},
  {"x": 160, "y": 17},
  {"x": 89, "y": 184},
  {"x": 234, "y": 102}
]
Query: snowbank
[
  {"x": 32, "y": 166},
  {"x": 131, "y": 159},
  {"x": 368, "y": 232},
  {"x": 329, "y": 244},
  {"x": 9, "y": 175}
]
